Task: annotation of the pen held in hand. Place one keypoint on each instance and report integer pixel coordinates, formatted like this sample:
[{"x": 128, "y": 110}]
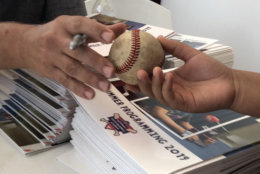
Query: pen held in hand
[{"x": 78, "y": 40}]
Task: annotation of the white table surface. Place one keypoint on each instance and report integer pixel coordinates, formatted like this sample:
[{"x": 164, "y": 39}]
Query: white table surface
[{"x": 14, "y": 162}]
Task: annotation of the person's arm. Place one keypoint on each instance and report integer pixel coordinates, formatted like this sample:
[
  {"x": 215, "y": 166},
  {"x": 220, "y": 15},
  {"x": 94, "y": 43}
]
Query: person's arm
[
  {"x": 161, "y": 114},
  {"x": 45, "y": 49},
  {"x": 11, "y": 45},
  {"x": 247, "y": 98},
  {"x": 202, "y": 84}
]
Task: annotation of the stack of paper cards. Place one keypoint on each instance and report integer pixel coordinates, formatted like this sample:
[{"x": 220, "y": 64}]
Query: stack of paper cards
[
  {"x": 41, "y": 113},
  {"x": 128, "y": 133},
  {"x": 220, "y": 52}
]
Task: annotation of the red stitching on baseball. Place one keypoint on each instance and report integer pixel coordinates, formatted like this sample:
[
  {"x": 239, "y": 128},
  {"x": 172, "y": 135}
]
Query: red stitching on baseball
[{"x": 133, "y": 55}]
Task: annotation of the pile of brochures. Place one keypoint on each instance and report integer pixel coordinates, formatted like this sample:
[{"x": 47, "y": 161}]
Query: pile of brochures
[
  {"x": 129, "y": 133},
  {"x": 220, "y": 52},
  {"x": 36, "y": 112}
]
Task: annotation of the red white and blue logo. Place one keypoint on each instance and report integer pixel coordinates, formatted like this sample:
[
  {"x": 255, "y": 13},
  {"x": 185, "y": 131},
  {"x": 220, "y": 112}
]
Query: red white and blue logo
[{"x": 118, "y": 125}]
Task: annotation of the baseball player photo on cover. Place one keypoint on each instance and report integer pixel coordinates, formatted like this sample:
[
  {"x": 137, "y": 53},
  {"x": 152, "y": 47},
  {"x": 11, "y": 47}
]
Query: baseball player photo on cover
[{"x": 201, "y": 131}]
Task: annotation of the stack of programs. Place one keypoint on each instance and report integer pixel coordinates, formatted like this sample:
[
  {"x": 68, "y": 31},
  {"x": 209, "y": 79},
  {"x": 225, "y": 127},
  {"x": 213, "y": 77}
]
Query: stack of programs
[
  {"x": 220, "y": 52},
  {"x": 36, "y": 113},
  {"x": 121, "y": 132}
]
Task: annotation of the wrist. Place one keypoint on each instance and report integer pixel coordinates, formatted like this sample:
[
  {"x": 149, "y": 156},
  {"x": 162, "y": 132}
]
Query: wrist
[
  {"x": 237, "y": 97},
  {"x": 244, "y": 91},
  {"x": 186, "y": 133},
  {"x": 247, "y": 96},
  {"x": 11, "y": 44},
  {"x": 24, "y": 45}
]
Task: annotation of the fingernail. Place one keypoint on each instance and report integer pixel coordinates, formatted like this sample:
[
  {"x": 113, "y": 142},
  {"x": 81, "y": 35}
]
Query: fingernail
[
  {"x": 108, "y": 71},
  {"x": 107, "y": 36},
  {"x": 89, "y": 94},
  {"x": 103, "y": 85},
  {"x": 139, "y": 77}
]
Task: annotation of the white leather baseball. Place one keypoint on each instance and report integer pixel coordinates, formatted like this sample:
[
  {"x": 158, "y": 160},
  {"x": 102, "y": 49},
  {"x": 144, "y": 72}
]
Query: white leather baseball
[{"x": 134, "y": 50}]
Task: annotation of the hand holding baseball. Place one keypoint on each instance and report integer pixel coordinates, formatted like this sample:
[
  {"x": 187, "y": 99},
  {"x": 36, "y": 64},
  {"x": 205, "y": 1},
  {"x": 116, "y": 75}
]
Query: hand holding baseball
[
  {"x": 202, "y": 84},
  {"x": 135, "y": 50},
  {"x": 45, "y": 49}
]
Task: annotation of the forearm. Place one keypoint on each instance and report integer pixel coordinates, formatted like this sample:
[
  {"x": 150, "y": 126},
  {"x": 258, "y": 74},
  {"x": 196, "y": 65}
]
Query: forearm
[
  {"x": 172, "y": 124},
  {"x": 247, "y": 98},
  {"x": 11, "y": 45}
]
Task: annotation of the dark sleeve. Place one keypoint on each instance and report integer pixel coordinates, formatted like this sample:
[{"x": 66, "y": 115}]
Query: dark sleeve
[
  {"x": 29, "y": 11},
  {"x": 157, "y": 1},
  {"x": 55, "y": 8}
]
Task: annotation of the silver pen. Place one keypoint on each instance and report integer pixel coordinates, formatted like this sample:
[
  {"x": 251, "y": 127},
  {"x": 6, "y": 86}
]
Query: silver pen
[{"x": 78, "y": 40}]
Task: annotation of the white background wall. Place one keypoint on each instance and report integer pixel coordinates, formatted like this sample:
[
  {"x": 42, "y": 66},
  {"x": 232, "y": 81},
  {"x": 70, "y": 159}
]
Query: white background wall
[{"x": 232, "y": 22}]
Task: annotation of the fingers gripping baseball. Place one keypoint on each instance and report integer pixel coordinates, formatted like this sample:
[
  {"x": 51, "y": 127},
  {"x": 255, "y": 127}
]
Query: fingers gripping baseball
[
  {"x": 73, "y": 84},
  {"x": 178, "y": 49},
  {"x": 95, "y": 31},
  {"x": 78, "y": 69},
  {"x": 135, "y": 50},
  {"x": 144, "y": 83},
  {"x": 157, "y": 82}
]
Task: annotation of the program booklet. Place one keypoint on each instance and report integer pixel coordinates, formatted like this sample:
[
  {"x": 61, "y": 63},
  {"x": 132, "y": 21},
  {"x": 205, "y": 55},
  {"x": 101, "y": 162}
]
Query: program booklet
[{"x": 121, "y": 132}]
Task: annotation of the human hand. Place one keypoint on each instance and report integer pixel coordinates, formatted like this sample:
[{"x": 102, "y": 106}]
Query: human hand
[
  {"x": 201, "y": 84},
  {"x": 190, "y": 138},
  {"x": 46, "y": 50},
  {"x": 209, "y": 141}
]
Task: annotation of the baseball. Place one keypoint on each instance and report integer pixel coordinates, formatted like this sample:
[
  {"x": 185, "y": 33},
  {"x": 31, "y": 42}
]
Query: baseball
[{"x": 134, "y": 50}]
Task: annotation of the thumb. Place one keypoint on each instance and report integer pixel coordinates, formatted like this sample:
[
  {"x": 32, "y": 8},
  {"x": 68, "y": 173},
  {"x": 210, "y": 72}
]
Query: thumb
[
  {"x": 178, "y": 49},
  {"x": 118, "y": 28}
]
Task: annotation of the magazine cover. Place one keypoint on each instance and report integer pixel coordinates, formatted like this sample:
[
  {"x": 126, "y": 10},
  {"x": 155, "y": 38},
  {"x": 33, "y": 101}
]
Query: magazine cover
[
  {"x": 206, "y": 134},
  {"x": 153, "y": 135}
]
